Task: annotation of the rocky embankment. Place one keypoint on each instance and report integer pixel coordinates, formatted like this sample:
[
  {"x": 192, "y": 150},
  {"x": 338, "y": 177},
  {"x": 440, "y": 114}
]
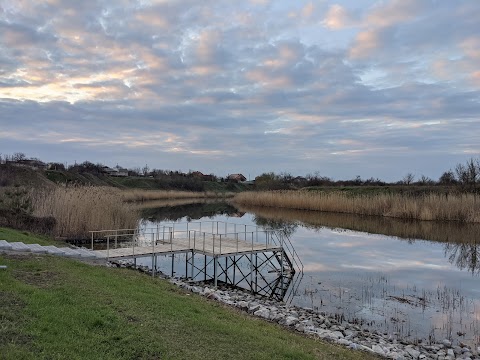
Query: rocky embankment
[{"x": 319, "y": 324}]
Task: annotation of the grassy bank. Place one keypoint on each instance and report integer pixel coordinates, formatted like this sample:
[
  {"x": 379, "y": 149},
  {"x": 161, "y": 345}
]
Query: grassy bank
[
  {"x": 54, "y": 308},
  {"x": 449, "y": 207}
]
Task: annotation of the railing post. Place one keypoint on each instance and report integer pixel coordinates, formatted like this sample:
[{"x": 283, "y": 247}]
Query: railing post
[
  {"x": 220, "y": 244},
  {"x": 213, "y": 246},
  {"x": 92, "y": 239},
  {"x": 215, "y": 270},
  {"x": 153, "y": 243},
  {"x": 116, "y": 238},
  {"x": 108, "y": 247}
]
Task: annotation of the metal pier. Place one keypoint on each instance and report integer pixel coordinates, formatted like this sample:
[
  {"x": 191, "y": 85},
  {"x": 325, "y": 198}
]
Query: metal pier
[{"x": 247, "y": 256}]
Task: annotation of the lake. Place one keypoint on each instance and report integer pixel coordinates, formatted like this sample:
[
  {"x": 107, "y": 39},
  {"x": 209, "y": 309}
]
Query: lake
[{"x": 417, "y": 280}]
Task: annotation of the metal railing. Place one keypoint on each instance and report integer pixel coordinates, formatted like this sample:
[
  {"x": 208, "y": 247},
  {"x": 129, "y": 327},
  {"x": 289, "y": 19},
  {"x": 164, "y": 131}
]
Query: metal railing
[{"x": 220, "y": 233}]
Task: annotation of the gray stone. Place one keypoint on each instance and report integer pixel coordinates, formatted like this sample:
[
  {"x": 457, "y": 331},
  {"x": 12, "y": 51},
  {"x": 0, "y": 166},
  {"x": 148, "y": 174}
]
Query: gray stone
[
  {"x": 412, "y": 352},
  {"x": 213, "y": 296},
  {"x": 263, "y": 313},
  {"x": 337, "y": 334},
  {"x": 253, "y": 307},
  {"x": 242, "y": 305},
  {"x": 291, "y": 320},
  {"x": 344, "y": 342},
  {"x": 378, "y": 350},
  {"x": 446, "y": 343},
  {"x": 450, "y": 352}
]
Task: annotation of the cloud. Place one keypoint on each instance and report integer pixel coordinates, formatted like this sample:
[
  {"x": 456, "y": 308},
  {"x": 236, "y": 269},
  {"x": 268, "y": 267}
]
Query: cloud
[
  {"x": 275, "y": 85},
  {"x": 338, "y": 17}
]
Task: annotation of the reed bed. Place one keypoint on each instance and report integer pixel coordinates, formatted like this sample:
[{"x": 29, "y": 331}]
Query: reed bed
[
  {"x": 439, "y": 207},
  {"x": 82, "y": 209},
  {"x": 149, "y": 195}
]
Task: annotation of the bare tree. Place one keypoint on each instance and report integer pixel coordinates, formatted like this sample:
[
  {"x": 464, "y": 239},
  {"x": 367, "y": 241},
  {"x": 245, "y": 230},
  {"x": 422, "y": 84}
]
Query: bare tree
[
  {"x": 468, "y": 174},
  {"x": 447, "y": 178},
  {"x": 425, "y": 180},
  {"x": 408, "y": 179},
  {"x": 18, "y": 156}
]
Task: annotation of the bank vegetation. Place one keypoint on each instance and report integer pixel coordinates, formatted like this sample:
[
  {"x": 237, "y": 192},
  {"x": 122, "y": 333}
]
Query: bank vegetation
[
  {"x": 440, "y": 207},
  {"x": 71, "y": 212}
]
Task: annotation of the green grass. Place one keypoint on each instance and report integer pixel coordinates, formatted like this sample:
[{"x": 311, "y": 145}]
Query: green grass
[
  {"x": 26, "y": 237},
  {"x": 55, "y": 308}
]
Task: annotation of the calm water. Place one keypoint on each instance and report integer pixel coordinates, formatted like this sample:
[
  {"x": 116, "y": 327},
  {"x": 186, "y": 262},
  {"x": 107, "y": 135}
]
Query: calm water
[{"x": 419, "y": 280}]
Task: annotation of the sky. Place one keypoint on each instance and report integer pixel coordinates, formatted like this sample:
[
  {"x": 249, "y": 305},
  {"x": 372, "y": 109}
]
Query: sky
[{"x": 344, "y": 88}]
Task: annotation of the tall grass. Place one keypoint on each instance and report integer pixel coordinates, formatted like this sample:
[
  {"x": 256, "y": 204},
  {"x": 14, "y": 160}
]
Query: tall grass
[
  {"x": 458, "y": 207},
  {"x": 148, "y": 195},
  {"x": 81, "y": 209}
]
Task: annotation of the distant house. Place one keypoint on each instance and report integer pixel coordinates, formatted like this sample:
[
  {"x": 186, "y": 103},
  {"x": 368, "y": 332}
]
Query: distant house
[
  {"x": 117, "y": 171},
  {"x": 201, "y": 176},
  {"x": 236, "y": 178},
  {"x": 197, "y": 174}
]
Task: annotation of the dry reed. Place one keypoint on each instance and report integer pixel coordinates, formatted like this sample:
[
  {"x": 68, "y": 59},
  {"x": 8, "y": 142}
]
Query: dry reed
[
  {"x": 79, "y": 210},
  {"x": 461, "y": 207},
  {"x": 149, "y": 195}
]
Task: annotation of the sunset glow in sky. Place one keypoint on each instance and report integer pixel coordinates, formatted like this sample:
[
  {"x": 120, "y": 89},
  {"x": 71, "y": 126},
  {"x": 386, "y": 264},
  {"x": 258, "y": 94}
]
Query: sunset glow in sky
[{"x": 346, "y": 88}]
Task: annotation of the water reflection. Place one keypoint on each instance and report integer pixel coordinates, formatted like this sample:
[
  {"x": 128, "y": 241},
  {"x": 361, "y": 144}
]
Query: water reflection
[
  {"x": 193, "y": 209},
  {"x": 461, "y": 240},
  {"x": 464, "y": 256}
]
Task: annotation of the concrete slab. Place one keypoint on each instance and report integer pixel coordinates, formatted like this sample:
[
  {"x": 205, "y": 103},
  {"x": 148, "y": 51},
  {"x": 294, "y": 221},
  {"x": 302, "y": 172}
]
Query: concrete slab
[
  {"x": 19, "y": 246},
  {"x": 54, "y": 250},
  {"x": 38, "y": 249},
  {"x": 4, "y": 244}
]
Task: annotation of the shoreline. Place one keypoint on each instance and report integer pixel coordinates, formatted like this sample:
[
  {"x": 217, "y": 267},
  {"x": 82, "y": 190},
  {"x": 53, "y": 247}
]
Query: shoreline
[{"x": 319, "y": 324}]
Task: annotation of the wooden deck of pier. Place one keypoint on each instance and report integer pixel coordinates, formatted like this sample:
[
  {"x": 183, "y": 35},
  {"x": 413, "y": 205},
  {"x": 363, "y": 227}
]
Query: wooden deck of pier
[{"x": 210, "y": 246}]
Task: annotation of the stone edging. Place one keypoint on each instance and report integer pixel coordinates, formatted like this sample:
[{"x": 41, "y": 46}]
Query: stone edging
[{"x": 319, "y": 324}]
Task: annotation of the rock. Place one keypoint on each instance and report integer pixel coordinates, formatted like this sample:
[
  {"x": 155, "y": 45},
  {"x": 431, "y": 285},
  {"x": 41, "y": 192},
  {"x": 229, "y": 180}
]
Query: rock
[
  {"x": 412, "y": 352},
  {"x": 263, "y": 313},
  {"x": 291, "y": 320},
  {"x": 213, "y": 296},
  {"x": 450, "y": 352},
  {"x": 253, "y": 307},
  {"x": 300, "y": 327},
  {"x": 353, "y": 346},
  {"x": 275, "y": 316},
  {"x": 377, "y": 349},
  {"x": 446, "y": 343},
  {"x": 344, "y": 342},
  {"x": 337, "y": 334},
  {"x": 242, "y": 305}
]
